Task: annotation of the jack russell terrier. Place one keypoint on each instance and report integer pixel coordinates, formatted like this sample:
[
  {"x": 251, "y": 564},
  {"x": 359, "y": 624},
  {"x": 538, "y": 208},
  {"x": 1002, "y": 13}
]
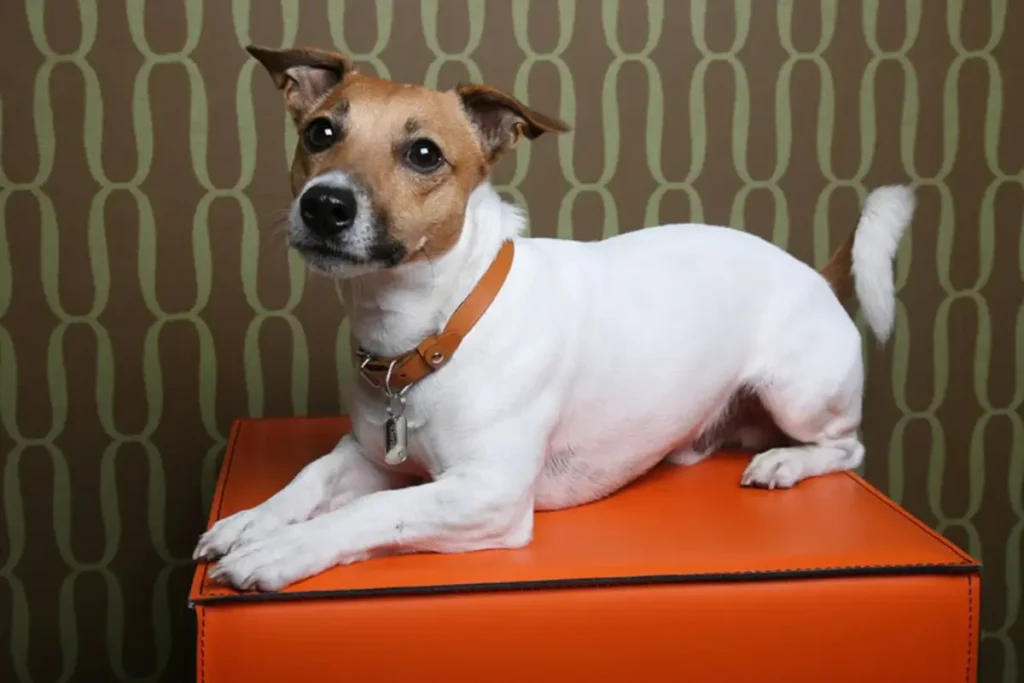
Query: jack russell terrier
[{"x": 501, "y": 374}]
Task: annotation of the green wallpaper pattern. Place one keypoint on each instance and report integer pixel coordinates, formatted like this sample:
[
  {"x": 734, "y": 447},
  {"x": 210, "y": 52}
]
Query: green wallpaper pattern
[{"x": 143, "y": 164}]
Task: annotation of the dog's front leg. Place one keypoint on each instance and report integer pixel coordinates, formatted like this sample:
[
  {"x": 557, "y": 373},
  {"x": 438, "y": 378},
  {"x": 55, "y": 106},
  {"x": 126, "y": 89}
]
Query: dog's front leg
[
  {"x": 325, "y": 484},
  {"x": 481, "y": 505}
]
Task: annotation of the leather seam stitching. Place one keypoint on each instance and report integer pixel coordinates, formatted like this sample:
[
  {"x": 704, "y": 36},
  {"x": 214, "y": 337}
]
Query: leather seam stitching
[
  {"x": 899, "y": 510},
  {"x": 854, "y": 571},
  {"x": 970, "y": 627},
  {"x": 202, "y": 647}
]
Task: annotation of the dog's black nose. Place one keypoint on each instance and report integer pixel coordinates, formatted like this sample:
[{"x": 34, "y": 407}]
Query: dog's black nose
[{"x": 328, "y": 210}]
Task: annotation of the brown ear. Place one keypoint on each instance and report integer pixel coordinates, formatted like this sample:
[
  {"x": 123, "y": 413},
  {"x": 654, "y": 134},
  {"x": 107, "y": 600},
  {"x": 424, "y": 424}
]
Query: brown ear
[
  {"x": 304, "y": 75},
  {"x": 501, "y": 120}
]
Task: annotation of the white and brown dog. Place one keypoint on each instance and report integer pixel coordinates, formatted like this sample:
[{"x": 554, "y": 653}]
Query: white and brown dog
[{"x": 505, "y": 374}]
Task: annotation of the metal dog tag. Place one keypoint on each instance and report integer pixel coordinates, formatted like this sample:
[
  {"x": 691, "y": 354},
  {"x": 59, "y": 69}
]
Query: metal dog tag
[
  {"x": 395, "y": 432},
  {"x": 394, "y": 440}
]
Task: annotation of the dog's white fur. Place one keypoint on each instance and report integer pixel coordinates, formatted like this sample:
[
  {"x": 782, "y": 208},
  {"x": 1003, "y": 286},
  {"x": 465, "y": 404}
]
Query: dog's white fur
[{"x": 595, "y": 362}]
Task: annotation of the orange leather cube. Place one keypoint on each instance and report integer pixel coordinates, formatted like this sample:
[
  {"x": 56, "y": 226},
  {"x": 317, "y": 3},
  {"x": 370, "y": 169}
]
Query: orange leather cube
[{"x": 683, "y": 576}]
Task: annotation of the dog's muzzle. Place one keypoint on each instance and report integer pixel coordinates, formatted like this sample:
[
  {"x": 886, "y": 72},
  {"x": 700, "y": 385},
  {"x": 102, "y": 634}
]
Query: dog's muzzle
[
  {"x": 328, "y": 211},
  {"x": 335, "y": 227}
]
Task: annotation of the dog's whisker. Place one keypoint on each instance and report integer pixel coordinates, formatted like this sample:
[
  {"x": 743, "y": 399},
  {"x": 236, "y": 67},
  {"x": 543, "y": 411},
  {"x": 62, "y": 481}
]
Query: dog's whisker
[{"x": 277, "y": 233}]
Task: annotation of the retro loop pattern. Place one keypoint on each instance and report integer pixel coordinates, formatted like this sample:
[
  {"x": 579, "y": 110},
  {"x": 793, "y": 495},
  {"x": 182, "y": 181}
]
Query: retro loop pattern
[{"x": 932, "y": 77}]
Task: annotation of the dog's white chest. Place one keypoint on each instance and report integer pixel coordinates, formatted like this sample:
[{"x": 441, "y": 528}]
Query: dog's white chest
[{"x": 424, "y": 441}]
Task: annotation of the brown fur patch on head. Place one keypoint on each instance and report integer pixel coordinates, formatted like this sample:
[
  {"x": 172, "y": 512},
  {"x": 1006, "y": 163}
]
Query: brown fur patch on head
[
  {"x": 381, "y": 130},
  {"x": 303, "y": 75},
  {"x": 381, "y": 121},
  {"x": 501, "y": 120}
]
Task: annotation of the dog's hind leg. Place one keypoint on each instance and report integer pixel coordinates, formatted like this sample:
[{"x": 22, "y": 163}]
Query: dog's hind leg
[
  {"x": 709, "y": 441},
  {"x": 817, "y": 403},
  {"x": 743, "y": 425},
  {"x": 688, "y": 456}
]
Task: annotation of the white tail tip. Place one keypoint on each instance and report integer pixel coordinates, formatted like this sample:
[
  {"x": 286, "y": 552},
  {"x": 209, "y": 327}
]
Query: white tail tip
[{"x": 887, "y": 212}]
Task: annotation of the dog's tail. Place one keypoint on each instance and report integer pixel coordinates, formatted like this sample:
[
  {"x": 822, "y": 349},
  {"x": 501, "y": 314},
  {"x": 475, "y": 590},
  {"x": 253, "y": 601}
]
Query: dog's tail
[{"x": 864, "y": 261}]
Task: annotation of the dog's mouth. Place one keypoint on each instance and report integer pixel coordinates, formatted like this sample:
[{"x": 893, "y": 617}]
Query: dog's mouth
[
  {"x": 327, "y": 256},
  {"x": 321, "y": 250},
  {"x": 324, "y": 256}
]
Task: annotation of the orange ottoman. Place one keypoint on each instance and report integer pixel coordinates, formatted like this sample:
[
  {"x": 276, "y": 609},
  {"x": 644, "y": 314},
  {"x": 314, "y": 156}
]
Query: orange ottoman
[{"x": 684, "y": 576}]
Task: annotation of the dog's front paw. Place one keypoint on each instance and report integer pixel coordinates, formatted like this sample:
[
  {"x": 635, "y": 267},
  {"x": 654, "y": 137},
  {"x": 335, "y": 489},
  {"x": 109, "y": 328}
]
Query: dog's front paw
[
  {"x": 238, "y": 530},
  {"x": 778, "y": 468},
  {"x": 289, "y": 555}
]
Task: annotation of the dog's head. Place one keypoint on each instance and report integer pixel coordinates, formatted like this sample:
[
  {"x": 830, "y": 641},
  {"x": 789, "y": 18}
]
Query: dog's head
[{"x": 383, "y": 170}]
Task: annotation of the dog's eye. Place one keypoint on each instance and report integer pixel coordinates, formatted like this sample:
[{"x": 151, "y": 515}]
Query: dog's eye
[
  {"x": 319, "y": 135},
  {"x": 423, "y": 156}
]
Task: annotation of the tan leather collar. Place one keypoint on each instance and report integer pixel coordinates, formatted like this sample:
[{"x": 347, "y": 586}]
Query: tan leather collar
[{"x": 435, "y": 351}]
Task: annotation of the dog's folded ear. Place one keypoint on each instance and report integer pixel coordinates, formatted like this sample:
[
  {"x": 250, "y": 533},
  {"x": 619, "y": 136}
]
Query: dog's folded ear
[
  {"x": 303, "y": 75},
  {"x": 501, "y": 120}
]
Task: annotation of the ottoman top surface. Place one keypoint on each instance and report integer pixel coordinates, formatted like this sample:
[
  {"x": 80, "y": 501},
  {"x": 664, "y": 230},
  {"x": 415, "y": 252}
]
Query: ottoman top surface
[{"x": 675, "y": 525}]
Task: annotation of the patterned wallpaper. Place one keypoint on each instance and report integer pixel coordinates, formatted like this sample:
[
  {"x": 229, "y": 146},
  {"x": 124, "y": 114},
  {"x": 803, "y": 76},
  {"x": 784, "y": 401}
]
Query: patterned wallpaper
[{"x": 147, "y": 298}]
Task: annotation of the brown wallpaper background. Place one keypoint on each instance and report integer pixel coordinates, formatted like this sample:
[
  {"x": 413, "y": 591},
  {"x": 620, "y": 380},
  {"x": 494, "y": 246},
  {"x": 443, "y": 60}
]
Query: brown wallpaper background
[{"x": 147, "y": 298}]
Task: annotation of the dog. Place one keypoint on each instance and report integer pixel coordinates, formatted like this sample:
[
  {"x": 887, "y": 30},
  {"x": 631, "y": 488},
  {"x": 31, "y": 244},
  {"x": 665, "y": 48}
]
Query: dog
[{"x": 499, "y": 374}]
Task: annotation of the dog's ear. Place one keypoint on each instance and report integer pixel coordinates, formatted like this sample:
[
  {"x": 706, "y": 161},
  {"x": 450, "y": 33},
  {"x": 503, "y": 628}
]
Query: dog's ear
[
  {"x": 303, "y": 75},
  {"x": 501, "y": 120}
]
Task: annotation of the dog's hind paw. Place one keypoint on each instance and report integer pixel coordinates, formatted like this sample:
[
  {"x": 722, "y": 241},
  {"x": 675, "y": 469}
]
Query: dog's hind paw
[{"x": 778, "y": 468}]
